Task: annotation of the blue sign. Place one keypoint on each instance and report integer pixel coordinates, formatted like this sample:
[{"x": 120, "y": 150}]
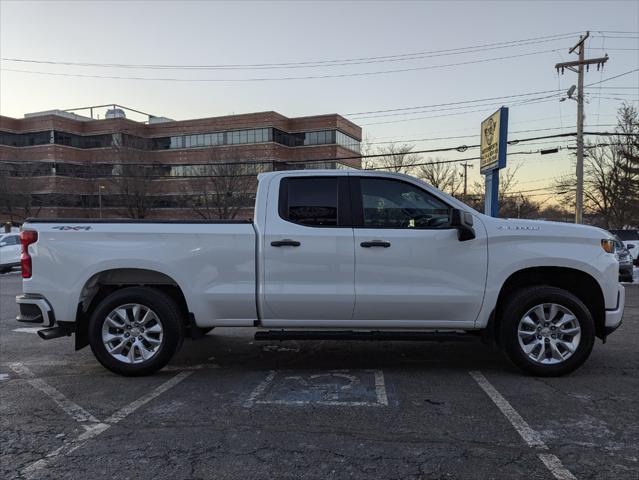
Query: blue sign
[{"x": 494, "y": 142}]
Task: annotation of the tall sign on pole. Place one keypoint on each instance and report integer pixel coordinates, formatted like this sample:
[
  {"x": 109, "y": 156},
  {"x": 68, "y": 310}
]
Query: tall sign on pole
[{"x": 494, "y": 141}]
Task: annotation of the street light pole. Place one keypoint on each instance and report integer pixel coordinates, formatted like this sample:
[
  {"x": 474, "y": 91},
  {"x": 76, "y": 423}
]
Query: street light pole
[
  {"x": 465, "y": 166},
  {"x": 100, "y": 188}
]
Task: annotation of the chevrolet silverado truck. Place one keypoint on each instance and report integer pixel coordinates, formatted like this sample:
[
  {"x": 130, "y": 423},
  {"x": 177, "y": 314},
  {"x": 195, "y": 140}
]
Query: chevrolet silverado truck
[{"x": 329, "y": 254}]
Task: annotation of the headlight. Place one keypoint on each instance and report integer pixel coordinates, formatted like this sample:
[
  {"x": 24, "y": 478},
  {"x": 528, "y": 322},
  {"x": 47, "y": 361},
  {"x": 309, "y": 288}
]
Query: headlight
[{"x": 608, "y": 245}]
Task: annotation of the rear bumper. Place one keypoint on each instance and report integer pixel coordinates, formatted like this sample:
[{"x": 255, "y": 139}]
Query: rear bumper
[
  {"x": 35, "y": 309},
  {"x": 9, "y": 265},
  {"x": 614, "y": 316}
]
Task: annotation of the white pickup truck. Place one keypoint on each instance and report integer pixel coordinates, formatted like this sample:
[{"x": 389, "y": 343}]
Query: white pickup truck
[{"x": 330, "y": 254}]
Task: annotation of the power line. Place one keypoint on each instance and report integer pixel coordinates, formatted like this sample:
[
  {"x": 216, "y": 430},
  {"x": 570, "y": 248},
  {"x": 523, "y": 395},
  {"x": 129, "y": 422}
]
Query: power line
[
  {"x": 513, "y": 142},
  {"x": 445, "y": 109},
  {"x": 617, "y": 31},
  {"x": 613, "y": 49},
  {"x": 524, "y": 102},
  {"x": 616, "y": 88},
  {"x": 269, "y": 79},
  {"x": 460, "y": 148},
  {"x": 612, "y": 78},
  {"x": 316, "y": 63},
  {"x": 555, "y": 93},
  {"x": 452, "y": 103},
  {"x": 183, "y": 177},
  {"x": 452, "y": 114}
]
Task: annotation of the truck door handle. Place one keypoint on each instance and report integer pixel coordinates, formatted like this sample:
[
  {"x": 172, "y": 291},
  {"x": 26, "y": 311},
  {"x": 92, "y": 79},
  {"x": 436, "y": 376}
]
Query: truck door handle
[
  {"x": 376, "y": 243},
  {"x": 285, "y": 243}
]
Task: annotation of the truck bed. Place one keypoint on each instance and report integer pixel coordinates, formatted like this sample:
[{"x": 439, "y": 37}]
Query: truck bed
[
  {"x": 213, "y": 262},
  {"x": 134, "y": 220}
]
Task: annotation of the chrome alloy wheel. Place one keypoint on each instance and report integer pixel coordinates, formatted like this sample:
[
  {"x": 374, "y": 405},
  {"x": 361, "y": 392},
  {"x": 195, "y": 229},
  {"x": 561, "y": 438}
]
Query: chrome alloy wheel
[
  {"x": 132, "y": 333},
  {"x": 549, "y": 333}
]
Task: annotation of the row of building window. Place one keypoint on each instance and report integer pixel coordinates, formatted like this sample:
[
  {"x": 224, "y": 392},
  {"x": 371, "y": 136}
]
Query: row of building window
[
  {"x": 235, "y": 137},
  {"x": 261, "y": 135},
  {"x": 25, "y": 139}
]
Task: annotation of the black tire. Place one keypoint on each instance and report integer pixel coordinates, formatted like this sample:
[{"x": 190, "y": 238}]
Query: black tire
[
  {"x": 171, "y": 322},
  {"x": 519, "y": 304}
]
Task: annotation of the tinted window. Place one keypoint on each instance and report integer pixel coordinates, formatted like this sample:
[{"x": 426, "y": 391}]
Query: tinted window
[
  {"x": 311, "y": 201},
  {"x": 396, "y": 204},
  {"x": 10, "y": 240}
]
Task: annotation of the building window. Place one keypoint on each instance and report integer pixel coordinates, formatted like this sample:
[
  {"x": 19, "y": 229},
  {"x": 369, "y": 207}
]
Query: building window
[{"x": 347, "y": 141}]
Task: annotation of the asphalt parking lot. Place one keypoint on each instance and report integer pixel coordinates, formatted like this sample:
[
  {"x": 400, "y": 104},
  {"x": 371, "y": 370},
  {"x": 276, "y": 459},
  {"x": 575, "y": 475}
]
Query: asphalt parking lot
[{"x": 230, "y": 407}]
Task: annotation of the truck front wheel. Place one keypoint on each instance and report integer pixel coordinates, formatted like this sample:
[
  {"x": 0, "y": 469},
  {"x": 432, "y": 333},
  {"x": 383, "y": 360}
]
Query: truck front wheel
[
  {"x": 546, "y": 331},
  {"x": 135, "y": 331}
]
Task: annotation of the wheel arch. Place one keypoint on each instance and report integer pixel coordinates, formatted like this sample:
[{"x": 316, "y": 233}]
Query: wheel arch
[
  {"x": 577, "y": 282},
  {"x": 103, "y": 283}
]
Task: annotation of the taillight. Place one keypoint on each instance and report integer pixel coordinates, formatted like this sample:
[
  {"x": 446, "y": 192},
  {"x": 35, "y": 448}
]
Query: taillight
[{"x": 27, "y": 237}]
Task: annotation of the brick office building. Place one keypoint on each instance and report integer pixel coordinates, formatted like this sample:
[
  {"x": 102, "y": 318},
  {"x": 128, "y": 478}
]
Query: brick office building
[{"x": 61, "y": 164}]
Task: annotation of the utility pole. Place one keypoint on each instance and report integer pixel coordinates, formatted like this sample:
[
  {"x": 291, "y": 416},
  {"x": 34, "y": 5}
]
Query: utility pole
[
  {"x": 581, "y": 46},
  {"x": 100, "y": 188},
  {"x": 465, "y": 166}
]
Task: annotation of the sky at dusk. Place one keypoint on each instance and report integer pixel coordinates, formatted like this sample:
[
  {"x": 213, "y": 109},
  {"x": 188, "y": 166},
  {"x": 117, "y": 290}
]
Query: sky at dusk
[{"x": 237, "y": 34}]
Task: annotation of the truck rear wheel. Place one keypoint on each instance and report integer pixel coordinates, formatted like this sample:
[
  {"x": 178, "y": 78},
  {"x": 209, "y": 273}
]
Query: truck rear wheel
[
  {"x": 135, "y": 331},
  {"x": 546, "y": 331}
]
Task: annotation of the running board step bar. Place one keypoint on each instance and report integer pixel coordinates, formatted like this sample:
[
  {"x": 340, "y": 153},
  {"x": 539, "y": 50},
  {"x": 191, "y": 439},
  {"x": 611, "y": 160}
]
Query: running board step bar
[
  {"x": 361, "y": 335},
  {"x": 54, "y": 332}
]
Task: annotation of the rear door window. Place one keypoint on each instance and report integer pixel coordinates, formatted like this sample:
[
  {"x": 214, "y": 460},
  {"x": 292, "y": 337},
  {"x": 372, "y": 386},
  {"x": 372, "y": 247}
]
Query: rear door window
[{"x": 311, "y": 201}]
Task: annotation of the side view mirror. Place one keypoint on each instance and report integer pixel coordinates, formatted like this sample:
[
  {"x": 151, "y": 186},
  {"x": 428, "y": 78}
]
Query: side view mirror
[
  {"x": 2, "y": 244},
  {"x": 463, "y": 222},
  {"x": 630, "y": 245}
]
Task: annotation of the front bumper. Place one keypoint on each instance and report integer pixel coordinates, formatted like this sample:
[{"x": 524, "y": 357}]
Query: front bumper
[
  {"x": 625, "y": 270},
  {"x": 614, "y": 316},
  {"x": 35, "y": 309}
]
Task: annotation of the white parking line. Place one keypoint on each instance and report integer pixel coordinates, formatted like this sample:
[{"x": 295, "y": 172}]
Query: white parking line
[
  {"x": 259, "y": 389},
  {"x": 529, "y": 435},
  {"x": 69, "y": 407},
  {"x": 133, "y": 406},
  {"x": 380, "y": 388},
  {"x": 31, "y": 470}
]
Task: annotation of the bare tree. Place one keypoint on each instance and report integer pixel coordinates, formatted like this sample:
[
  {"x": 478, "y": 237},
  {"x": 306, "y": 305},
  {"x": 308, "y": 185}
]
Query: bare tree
[
  {"x": 512, "y": 203},
  {"x": 134, "y": 181},
  {"x": 17, "y": 199},
  {"x": 443, "y": 176},
  {"x": 366, "y": 147},
  {"x": 225, "y": 186},
  {"x": 611, "y": 176},
  {"x": 395, "y": 158}
]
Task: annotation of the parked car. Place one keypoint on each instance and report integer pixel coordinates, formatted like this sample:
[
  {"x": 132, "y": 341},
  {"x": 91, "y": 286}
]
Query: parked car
[
  {"x": 630, "y": 239},
  {"x": 625, "y": 261},
  {"x": 9, "y": 251},
  {"x": 331, "y": 254}
]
